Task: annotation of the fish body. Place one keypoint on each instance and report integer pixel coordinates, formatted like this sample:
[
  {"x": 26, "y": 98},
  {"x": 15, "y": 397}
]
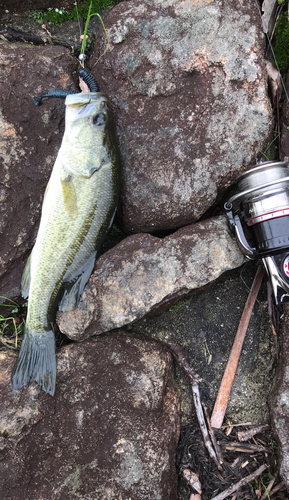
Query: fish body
[{"x": 78, "y": 208}]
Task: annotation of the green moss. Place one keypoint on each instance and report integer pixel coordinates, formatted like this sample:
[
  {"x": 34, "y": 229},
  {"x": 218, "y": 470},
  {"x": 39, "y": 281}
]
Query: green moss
[
  {"x": 281, "y": 43},
  {"x": 59, "y": 15},
  {"x": 180, "y": 304}
]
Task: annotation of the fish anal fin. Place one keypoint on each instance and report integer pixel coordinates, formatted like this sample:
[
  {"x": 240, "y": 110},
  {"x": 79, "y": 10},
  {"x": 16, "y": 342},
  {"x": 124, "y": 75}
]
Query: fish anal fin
[{"x": 72, "y": 293}]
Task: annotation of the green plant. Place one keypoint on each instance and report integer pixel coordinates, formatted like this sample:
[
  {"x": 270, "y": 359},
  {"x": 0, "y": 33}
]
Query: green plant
[
  {"x": 276, "y": 135},
  {"x": 89, "y": 16},
  {"x": 180, "y": 304},
  {"x": 281, "y": 43},
  {"x": 60, "y": 14},
  {"x": 273, "y": 444},
  {"x": 12, "y": 325},
  {"x": 266, "y": 491}
]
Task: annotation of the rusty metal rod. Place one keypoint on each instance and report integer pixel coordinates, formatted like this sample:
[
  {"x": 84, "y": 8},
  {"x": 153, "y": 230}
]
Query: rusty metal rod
[{"x": 230, "y": 371}]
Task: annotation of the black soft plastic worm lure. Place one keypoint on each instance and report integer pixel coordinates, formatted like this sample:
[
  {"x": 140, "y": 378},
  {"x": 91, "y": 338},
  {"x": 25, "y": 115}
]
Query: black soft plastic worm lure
[
  {"x": 53, "y": 93},
  {"x": 86, "y": 77},
  {"x": 89, "y": 80}
]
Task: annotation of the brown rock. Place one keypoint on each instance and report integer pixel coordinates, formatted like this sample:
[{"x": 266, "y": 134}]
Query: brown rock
[
  {"x": 188, "y": 84},
  {"x": 110, "y": 431},
  {"x": 30, "y": 137},
  {"x": 143, "y": 273}
]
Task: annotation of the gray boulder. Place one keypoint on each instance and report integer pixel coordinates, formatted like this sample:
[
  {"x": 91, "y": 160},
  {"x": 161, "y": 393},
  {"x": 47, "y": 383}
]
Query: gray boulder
[
  {"x": 110, "y": 432},
  {"x": 144, "y": 273},
  {"x": 188, "y": 84}
]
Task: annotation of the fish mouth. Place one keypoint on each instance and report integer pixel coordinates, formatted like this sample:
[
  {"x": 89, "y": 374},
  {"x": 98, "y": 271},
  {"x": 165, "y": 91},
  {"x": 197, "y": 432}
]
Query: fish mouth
[{"x": 84, "y": 98}]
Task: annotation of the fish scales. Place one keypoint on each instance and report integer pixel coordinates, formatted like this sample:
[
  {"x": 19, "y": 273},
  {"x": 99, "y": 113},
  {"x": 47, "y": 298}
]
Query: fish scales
[{"x": 78, "y": 209}]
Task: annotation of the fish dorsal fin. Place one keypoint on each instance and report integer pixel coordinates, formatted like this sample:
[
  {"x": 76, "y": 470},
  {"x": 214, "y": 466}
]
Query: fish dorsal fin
[{"x": 72, "y": 293}]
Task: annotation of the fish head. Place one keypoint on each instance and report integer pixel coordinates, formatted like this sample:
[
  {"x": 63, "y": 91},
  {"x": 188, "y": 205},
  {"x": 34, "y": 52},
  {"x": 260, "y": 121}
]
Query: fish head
[{"x": 84, "y": 147}]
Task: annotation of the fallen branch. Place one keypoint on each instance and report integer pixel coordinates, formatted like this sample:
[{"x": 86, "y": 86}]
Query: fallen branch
[
  {"x": 230, "y": 371},
  {"x": 246, "y": 435},
  {"x": 270, "y": 303},
  {"x": 244, "y": 447},
  {"x": 212, "y": 435},
  {"x": 241, "y": 483},
  {"x": 268, "y": 489},
  {"x": 277, "y": 488},
  {"x": 195, "y": 379}
]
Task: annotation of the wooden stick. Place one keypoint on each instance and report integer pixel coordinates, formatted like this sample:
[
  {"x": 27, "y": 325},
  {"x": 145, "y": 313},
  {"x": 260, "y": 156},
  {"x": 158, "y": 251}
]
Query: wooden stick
[
  {"x": 192, "y": 479},
  {"x": 268, "y": 489},
  {"x": 246, "y": 435},
  {"x": 241, "y": 483},
  {"x": 278, "y": 487},
  {"x": 195, "y": 379},
  {"x": 212, "y": 435},
  {"x": 244, "y": 447},
  {"x": 230, "y": 371}
]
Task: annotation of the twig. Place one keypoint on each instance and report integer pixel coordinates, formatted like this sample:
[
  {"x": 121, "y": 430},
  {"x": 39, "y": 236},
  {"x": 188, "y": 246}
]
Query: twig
[
  {"x": 230, "y": 371},
  {"x": 271, "y": 307},
  {"x": 212, "y": 435},
  {"x": 246, "y": 435},
  {"x": 193, "y": 480},
  {"x": 243, "y": 447},
  {"x": 278, "y": 488},
  {"x": 180, "y": 358},
  {"x": 268, "y": 489},
  {"x": 195, "y": 379},
  {"x": 241, "y": 483}
]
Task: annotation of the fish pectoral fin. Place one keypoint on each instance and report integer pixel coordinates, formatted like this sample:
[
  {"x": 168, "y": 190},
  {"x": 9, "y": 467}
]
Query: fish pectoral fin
[
  {"x": 72, "y": 293},
  {"x": 69, "y": 196},
  {"x": 26, "y": 277}
]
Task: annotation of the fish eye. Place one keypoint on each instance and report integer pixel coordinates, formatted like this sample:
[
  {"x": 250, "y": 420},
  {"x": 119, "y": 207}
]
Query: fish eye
[{"x": 98, "y": 119}]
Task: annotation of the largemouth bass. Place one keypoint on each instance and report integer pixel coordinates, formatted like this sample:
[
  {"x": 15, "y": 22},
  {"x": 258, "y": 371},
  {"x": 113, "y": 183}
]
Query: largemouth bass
[{"x": 78, "y": 208}]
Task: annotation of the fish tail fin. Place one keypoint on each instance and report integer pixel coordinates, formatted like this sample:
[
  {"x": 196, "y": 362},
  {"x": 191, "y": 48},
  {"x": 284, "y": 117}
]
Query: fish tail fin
[{"x": 36, "y": 361}]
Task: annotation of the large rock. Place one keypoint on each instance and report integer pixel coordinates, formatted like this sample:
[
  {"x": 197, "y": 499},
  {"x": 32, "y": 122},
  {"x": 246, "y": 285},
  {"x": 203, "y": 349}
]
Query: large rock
[
  {"x": 110, "y": 431},
  {"x": 188, "y": 83},
  {"x": 204, "y": 325},
  {"x": 29, "y": 140},
  {"x": 279, "y": 401},
  {"x": 143, "y": 273}
]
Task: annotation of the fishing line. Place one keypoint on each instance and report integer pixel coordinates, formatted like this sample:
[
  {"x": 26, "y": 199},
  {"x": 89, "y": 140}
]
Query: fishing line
[
  {"x": 78, "y": 18},
  {"x": 82, "y": 57}
]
